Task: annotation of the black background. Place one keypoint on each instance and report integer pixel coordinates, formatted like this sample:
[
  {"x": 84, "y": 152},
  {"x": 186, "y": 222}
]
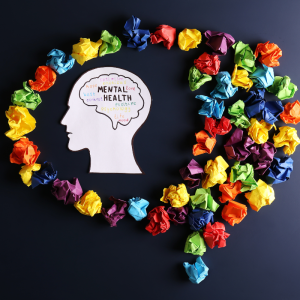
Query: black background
[{"x": 50, "y": 251}]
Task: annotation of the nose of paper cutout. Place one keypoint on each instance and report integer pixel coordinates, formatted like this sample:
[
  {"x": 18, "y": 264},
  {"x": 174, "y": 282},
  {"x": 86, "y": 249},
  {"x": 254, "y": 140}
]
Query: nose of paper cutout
[{"x": 115, "y": 96}]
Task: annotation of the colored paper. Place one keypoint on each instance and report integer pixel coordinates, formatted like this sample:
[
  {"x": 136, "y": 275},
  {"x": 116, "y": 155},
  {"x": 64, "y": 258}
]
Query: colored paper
[
  {"x": 262, "y": 156},
  {"x": 159, "y": 220},
  {"x": 234, "y": 212},
  {"x": 207, "y": 63},
  {"x": 288, "y": 138},
  {"x": 89, "y": 204},
  {"x": 215, "y": 127},
  {"x": 110, "y": 43},
  {"x": 229, "y": 190},
  {"x": 224, "y": 88},
  {"x": 203, "y": 199},
  {"x": 196, "y": 78},
  {"x": 215, "y": 172},
  {"x": 192, "y": 174},
  {"x": 215, "y": 235},
  {"x": 178, "y": 196},
  {"x": 45, "y": 77},
  {"x": 270, "y": 53},
  {"x": 44, "y": 175},
  {"x": 280, "y": 170},
  {"x": 196, "y": 272},
  {"x": 20, "y": 122},
  {"x": 116, "y": 212},
  {"x": 137, "y": 208},
  {"x": 198, "y": 218},
  {"x": 238, "y": 145},
  {"x": 27, "y": 171},
  {"x": 178, "y": 215},
  {"x": 211, "y": 107},
  {"x": 24, "y": 152},
  {"x": 244, "y": 56},
  {"x": 263, "y": 195},
  {"x": 85, "y": 50},
  {"x": 291, "y": 113},
  {"x": 244, "y": 173},
  {"x": 259, "y": 131},
  {"x": 136, "y": 38},
  {"x": 220, "y": 42},
  {"x": 165, "y": 34},
  {"x": 239, "y": 118},
  {"x": 189, "y": 39},
  {"x": 58, "y": 62},
  {"x": 205, "y": 144},
  {"x": 262, "y": 77},
  {"x": 195, "y": 244},
  {"x": 66, "y": 191},
  {"x": 26, "y": 97},
  {"x": 283, "y": 88},
  {"x": 240, "y": 78}
]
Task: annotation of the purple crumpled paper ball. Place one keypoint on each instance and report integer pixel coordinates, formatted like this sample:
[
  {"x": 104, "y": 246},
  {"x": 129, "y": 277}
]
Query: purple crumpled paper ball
[
  {"x": 238, "y": 145},
  {"x": 192, "y": 174},
  {"x": 178, "y": 215},
  {"x": 66, "y": 191},
  {"x": 116, "y": 212},
  {"x": 220, "y": 42}
]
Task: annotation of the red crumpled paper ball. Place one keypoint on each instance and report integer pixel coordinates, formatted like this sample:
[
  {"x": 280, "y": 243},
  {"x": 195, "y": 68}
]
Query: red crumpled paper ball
[
  {"x": 209, "y": 64},
  {"x": 215, "y": 127},
  {"x": 165, "y": 34},
  {"x": 44, "y": 78},
  {"x": 159, "y": 220},
  {"x": 215, "y": 235}
]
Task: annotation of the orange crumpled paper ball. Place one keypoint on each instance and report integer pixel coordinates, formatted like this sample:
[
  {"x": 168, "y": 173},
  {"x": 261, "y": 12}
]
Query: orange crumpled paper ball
[
  {"x": 44, "y": 78},
  {"x": 205, "y": 144},
  {"x": 24, "y": 152},
  {"x": 234, "y": 212},
  {"x": 270, "y": 53},
  {"x": 229, "y": 190},
  {"x": 291, "y": 113}
]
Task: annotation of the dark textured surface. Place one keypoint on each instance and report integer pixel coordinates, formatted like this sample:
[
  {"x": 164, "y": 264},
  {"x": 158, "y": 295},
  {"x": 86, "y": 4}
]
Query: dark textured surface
[{"x": 50, "y": 251}]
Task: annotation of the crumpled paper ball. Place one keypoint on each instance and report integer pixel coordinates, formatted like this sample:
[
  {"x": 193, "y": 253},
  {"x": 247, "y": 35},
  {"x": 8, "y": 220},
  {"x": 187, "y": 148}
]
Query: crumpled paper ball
[
  {"x": 234, "y": 212},
  {"x": 137, "y": 208},
  {"x": 261, "y": 196},
  {"x": 215, "y": 235},
  {"x": 198, "y": 218},
  {"x": 215, "y": 172},
  {"x": 197, "y": 79},
  {"x": 58, "y": 62},
  {"x": 291, "y": 113},
  {"x": 178, "y": 215},
  {"x": 211, "y": 107},
  {"x": 288, "y": 138},
  {"x": 195, "y": 244},
  {"x": 240, "y": 78},
  {"x": 262, "y": 77},
  {"x": 20, "y": 122},
  {"x": 189, "y": 39},
  {"x": 26, "y": 173},
  {"x": 215, "y": 127},
  {"x": 229, "y": 190},
  {"x": 196, "y": 272},
  {"x": 207, "y": 63},
  {"x": 239, "y": 119},
  {"x": 66, "y": 191},
  {"x": 159, "y": 221},
  {"x": 110, "y": 43},
  {"x": 259, "y": 131},
  {"x": 192, "y": 174},
  {"x": 89, "y": 204},
  {"x": 178, "y": 196},
  {"x": 45, "y": 175},
  {"x": 45, "y": 77},
  {"x": 224, "y": 88},
  {"x": 283, "y": 88},
  {"x": 270, "y": 53},
  {"x": 24, "y": 152},
  {"x": 205, "y": 143},
  {"x": 244, "y": 56},
  {"x": 203, "y": 199},
  {"x": 165, "y": 34},
  {"x": 116, "y": 212},
  {"x": 220, "y": 42},
  {"x": 280, "y": 170}
]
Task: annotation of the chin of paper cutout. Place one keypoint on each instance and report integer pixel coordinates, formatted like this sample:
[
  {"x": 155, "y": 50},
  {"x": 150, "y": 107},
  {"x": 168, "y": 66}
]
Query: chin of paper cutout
[{"x": 105, "y": 119}]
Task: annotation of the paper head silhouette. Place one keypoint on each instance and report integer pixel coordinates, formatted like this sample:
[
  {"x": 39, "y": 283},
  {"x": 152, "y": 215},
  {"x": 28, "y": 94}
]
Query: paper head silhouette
[{"x": 107, "y": 106}]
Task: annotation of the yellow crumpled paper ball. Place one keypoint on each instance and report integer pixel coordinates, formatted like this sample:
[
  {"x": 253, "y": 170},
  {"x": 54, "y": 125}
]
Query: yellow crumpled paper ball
[
  {"x": 20, "y": 122},
  {"x": 215, "y": 172},
  {"x": 259, "y": 131},
  {"x": 89, "y": 204},
  {"x": 288, "y": 138},
  {"x": 178, "y": 196},
  {"x": 240, "y": 78},
  {"x": 85, "y": 50},
  {"x": 189, "y": 39},
  {"x": 26, "y": 173},
  {"x": 261, "y": 196}
]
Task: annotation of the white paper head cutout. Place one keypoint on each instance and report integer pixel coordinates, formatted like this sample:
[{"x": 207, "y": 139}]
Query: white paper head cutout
[{"x": 107, "y": 106}]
